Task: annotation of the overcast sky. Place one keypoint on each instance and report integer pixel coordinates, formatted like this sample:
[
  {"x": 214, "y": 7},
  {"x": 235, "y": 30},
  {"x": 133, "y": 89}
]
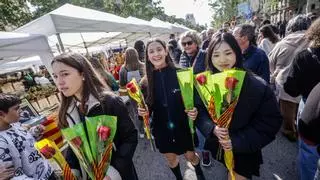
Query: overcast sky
[{"x": 180, "y": 8}]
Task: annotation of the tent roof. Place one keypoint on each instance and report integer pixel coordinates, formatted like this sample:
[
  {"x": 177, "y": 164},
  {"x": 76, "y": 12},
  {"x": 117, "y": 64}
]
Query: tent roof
[
  {"x": 21, "y": 44},
  {"x": 16, "y": 45},
  {"x": 175, "y": 28},
  {"x": 71, "y": 19}
]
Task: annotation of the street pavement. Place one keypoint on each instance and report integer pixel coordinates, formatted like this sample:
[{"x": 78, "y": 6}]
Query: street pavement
[{"x": 279, "y": 163}]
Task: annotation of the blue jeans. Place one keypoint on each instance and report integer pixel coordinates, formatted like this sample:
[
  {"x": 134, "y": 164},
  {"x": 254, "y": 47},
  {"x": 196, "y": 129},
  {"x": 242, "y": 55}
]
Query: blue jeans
[
  {"x": 201, "y": 139},
  {"x": 307, "y": 160}
]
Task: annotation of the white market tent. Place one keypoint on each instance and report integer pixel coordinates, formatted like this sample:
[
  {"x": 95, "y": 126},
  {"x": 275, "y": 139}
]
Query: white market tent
[
  {"x": 74, "y": 19},
  {"x": 96, "y": 28},
  {"x": 14, "y": 46}
]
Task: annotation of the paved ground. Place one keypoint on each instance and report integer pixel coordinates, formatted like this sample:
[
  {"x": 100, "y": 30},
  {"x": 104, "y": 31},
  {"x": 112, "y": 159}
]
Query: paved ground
[{"x": 279, "y": 160}]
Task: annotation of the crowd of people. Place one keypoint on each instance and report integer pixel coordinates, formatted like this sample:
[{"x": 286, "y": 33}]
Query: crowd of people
[{"x": 281, "y": 74}]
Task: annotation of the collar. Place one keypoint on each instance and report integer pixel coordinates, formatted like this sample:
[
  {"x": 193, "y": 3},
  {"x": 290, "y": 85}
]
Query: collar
[{"x": 73, "y": 114}]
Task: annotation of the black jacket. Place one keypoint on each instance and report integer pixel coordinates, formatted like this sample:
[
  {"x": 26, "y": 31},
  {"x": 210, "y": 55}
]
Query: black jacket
[
  {"x": 125, "y": 139},
  {"x": 254, "y": 124},
  {"x": 303, "y": 73},
  {"x": 310, "y": 117}
]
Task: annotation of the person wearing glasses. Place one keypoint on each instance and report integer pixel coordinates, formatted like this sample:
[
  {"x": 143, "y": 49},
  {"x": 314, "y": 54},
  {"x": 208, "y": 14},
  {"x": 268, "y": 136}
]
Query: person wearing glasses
[{"x": 193, "y": 56}]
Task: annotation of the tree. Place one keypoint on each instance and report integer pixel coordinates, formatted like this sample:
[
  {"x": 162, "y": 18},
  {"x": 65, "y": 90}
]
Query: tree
[
  {"x": 223, "y": 11},
  {"x": 13, "y": 13}
]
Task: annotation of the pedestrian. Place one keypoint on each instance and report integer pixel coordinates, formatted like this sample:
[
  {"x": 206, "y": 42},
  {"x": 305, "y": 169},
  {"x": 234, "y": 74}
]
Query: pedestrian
[
  {"x": 205, "y": 43},
  {"x": 174, "y": 51},
  {"x": 194, "y": 57},
  {"x": 269, "y": 39},
  {"x": 19, "y": 159},
  {"x": 140, "y": 47},
  {"x": 308, "y": 126},
  {"x": 255, "y": 59},
  {"x": 132, "y": 68},
  {"x": 83, "y": 94},
  {"x": 170, "y": 119},
  {"x": 301, "y": 80},
  {"x": 106, "y": 76},
  {"x": 256, "y": 118},
  {"x": 280, "y": 59}
]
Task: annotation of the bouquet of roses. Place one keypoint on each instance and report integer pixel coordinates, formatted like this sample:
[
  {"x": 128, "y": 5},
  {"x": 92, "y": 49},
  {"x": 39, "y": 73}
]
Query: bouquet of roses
[
  {"x": 92, "y": 143},
  {"x": 220, "y": 95},
  {"x": 185, "y": 79},
  {"x": 135, "y": 93},
  {"x": 49, "y": 150}
]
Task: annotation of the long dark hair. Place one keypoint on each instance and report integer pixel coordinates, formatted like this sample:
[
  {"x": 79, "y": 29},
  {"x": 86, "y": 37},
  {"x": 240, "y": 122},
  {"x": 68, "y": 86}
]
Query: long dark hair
[
  {"x": 92, "y": 84},
  {"x": 267, "y": 32},
  {"x": 217, "y": 39},
  {"x": 132, "y": 62},
  {"x": 150, "y": 70}
]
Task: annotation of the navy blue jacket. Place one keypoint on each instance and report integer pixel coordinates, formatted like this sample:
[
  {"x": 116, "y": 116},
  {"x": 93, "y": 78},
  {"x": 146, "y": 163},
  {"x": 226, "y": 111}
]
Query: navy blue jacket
[
  {"x": 257, "y": 61},
  {"x": 197, "y": 62}
]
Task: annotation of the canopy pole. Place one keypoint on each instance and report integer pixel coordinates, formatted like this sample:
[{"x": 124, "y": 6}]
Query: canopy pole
[
  {"x": 60, "y": 42},
  {"x": 84, "y": 44}
]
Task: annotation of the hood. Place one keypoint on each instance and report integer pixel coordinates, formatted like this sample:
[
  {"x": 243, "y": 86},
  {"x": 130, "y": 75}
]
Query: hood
[{"x": 295, "y": 39}]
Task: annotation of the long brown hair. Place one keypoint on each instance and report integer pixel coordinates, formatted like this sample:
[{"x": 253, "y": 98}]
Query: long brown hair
[
  {"x": 150, "y": 70},
  {"x": 132, "y": 62},
  {"x": 267, "y": 32},
  {"x": 92, "y": 84}
]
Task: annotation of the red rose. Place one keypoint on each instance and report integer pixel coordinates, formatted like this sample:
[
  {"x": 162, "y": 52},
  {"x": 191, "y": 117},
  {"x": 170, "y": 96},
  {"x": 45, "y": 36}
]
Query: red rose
[
  {"x": 131, "y": 87},
  {"x": 231, "y": 83},
  {"x": 202, "y": 79},
  {"x": 48, "y": 152},
  {"x": 104, "y": 133},
  {"x": 77, "y": 141}
]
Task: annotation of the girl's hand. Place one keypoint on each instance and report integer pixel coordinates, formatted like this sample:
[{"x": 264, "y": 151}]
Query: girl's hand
[
  {"x": 226, "y": 144},
  {"x": 221, "y": 133},
  {"x": 192, "y": 114},
  {"x": 142, "y": 111}
]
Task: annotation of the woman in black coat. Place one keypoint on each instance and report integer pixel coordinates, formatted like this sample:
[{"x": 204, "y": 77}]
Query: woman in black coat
[
  {"x": 83, "y": 94},
  {"x": 170, "y": 125},
  {"x": 256, "y": 119}
]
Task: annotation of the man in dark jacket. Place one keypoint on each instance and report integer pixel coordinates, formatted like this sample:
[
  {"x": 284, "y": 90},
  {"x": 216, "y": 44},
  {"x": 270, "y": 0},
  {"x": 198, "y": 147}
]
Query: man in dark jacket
[
  {"x": 309, "y": 131},
  {"x": 255, "y": 59}
]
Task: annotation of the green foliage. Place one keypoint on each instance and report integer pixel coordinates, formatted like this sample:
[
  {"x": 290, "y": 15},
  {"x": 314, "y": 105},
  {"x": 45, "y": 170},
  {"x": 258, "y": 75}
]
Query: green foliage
[
  {"x": 223, "y": 11},
  {"x": 13, "y": 13}
]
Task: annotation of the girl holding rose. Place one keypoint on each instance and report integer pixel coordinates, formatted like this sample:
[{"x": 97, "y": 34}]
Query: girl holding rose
[
  {"x": 84, "y": 94},
  {"x": 170, "y": 119},
  {"x": 256, "y": 118}
]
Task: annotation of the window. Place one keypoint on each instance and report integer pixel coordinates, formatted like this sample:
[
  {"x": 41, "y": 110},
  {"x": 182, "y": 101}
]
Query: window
[{"x": 313, "y": 6}]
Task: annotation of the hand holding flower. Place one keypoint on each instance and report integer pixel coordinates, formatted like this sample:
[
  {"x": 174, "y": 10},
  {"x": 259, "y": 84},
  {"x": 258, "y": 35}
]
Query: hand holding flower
[
  {"x": 143, "y": 112},
  {"x": 221, "y": 133},
  {"x": 192, "y": 114},
  {"x": 226, "y": 144}
]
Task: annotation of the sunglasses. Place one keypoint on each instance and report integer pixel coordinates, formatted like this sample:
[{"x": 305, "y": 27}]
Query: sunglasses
[{"x": 185, "y": 43}]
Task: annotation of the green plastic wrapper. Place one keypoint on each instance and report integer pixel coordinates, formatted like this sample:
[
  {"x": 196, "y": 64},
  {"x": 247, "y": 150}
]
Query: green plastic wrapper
[
  {"x": 219, "y": 86},
  {"x": 87, "y": 145},
  {"x": 93, "y": 123},
  {"x": 83, "y": 153},
  {"x": 185, "y": 79}
]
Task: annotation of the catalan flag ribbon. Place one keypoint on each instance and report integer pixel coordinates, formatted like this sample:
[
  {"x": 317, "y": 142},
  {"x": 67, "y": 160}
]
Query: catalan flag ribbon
[{"x": 220, "y": 93}]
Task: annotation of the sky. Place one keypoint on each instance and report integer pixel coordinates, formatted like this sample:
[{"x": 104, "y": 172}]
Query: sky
[{"x": 180, "y": 8}]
